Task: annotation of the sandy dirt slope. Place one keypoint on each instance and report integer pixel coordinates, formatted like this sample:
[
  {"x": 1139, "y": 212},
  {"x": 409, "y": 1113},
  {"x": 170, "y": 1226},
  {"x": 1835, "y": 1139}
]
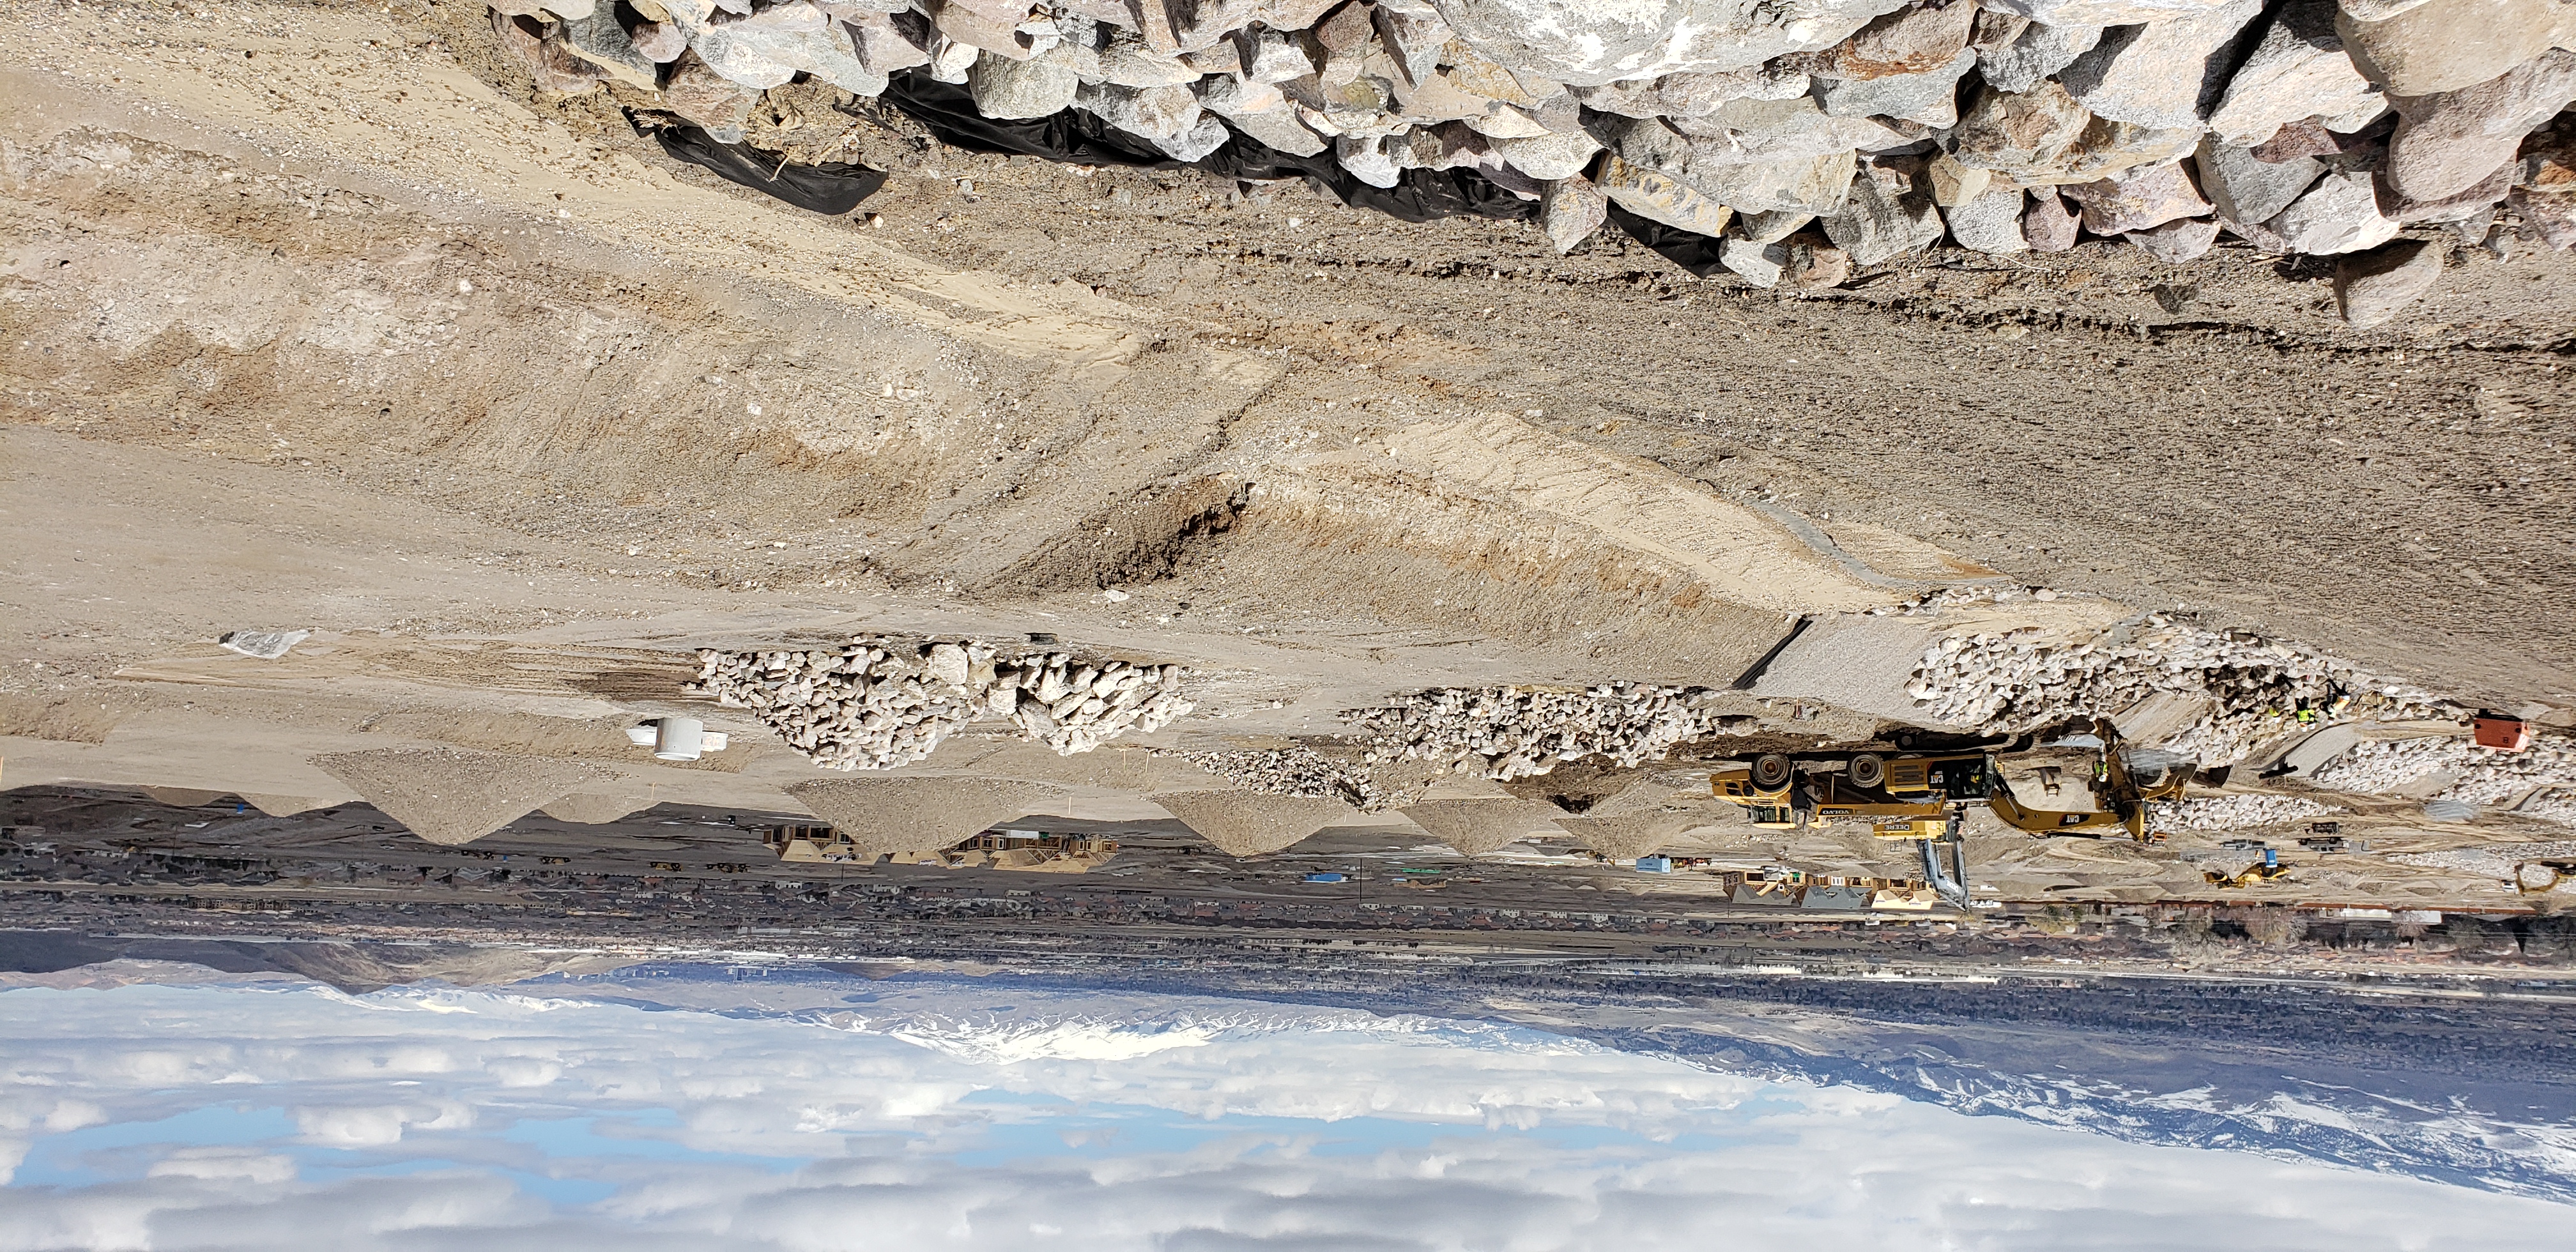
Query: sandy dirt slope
[
  {"x": 313, "y": 316},
  {"x": 2049, "y": 417}
]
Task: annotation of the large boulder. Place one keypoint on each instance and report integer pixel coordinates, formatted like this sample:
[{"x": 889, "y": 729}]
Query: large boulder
[
  {"x": 1930, "y": 97},
  {"x": 2372, "y": 288},
  {"x": 2138, "y": 199},
  {"x": 1989, "y": 222},
  {"x": 1570, "y": 210},
  {"x": 1007, "y": 88},
  {"x": 1658, "y": 196},
  {"x": 2039, "y": 51},
  {"x": 2450, "y": 141},
  {"x": 2340, "y": 214},
  {"x": 2045, "y": 137},
  {"x": 2445, "y": 45},
  {"x": 2246, "y": 188},
  {"x": 2104, "y": 12},
  {"x": 1914, "y": 40},
  {"x": 1587, "y": 43},
  {"x": 2297, "y": 70},
  {"x": 2162, "y": 74},
  {"x": 1886, "y": 215},
  {"x": 771, "y": 47},
  {"x": 1794, "y": 184}
]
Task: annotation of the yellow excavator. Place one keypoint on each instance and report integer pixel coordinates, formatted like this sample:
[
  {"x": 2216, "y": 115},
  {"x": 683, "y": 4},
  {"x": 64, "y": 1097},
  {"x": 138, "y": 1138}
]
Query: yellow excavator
[{"x": 1914, "y": 796}]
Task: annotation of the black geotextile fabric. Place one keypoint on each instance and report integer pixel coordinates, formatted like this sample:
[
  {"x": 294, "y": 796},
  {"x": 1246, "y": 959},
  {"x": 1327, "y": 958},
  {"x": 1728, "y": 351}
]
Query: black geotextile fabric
[
  {"x": 1689, "y": 250},
  {"x": 948, "y": 111},
  {"x": 832, "y": 187}
]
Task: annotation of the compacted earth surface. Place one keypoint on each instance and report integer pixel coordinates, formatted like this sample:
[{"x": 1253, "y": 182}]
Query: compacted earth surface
[{"x": 389, "y": 432}]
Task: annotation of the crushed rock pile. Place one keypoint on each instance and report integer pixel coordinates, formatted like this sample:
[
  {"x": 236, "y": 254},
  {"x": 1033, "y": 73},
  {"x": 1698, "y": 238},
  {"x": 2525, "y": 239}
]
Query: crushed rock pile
[
  {"x": 2380, "y": 766},
  {"x": 2542, "y": 776},
  {"x": 1292, "y": 772},
  {"x": 1504, "y": 733},
  {"x": 2020, "y": 680},
  {"x": 1792, "y": 140},
  {"x": 880, "y": 703},
  {"x": 2234, "y": 812}
]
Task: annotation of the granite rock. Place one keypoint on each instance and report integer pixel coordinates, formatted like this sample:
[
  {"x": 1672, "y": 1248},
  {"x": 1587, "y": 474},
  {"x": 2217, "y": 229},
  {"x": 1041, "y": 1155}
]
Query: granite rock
[
  {"x": 2247, "y": 189},
  {"x": 1759, "y": 264},
  {"x": 2040, "y": 50},
  {"x": 2048, "y": 224},
  {"x": 1261, "y": 111},
  {"x": 1918, "y": 39},
  {"x": 2138, "y": 199},
  {"x": 1586, "y": 43},
  {"x": 2340, "y": 214},
  {"x": 1771, "y": 227},
  {"x": 1795, "y": 184},
  {"x": 2177, "y": 242},
  {"x": 1549, "y": 157},
  {"x": 2105, "y": 12},
  {"x": 1812, "y": 268},
  {"x": 1930, "y": 97},
  {"x": 1990, "y": 222},
  {"x": 2450, "y": 141},
  {"x": 2161, "y": 74},
  {"x": 2372, "y": 288},
  {"x": 1007, "y": 88},
  {"x": 1658, "y": 196},
  {"x": 1570, "y": 211},
  {"x": 2298, "y": 69},
  {"x": 1148, "y": 112},
  {"x": 1884, "y": 217},
  {"x": 598, "y": 39},
  {"x": 2446, "y": 45}
]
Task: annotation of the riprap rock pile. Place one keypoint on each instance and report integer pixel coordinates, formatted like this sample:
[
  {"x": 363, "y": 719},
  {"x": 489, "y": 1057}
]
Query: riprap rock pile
[
  {"x": 1292, "y": 772},
  {"x": 2542, "y": 777},
  {"x": 1514, "y": 732},
  {"x": 2000, "y": 125},
  {"x": 2239, "y": 812},
  {"x": 880, "y": 703},
  {"x": 2021, "y": 680}
]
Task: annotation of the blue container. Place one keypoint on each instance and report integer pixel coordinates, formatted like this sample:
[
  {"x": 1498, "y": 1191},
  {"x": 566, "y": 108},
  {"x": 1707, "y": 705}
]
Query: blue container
[
  {"x": 1654, "y": 865},
  {"x": 1326, "y": 877}
]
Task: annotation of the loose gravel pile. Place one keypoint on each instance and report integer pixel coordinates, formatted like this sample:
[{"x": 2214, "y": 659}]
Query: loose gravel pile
[
  {"x": 2019, "y": 680},
  {"x": 1292, "y": 772},
  {"x": 2233, "y": 812},
  {"x": 880, "y": 703},
  {"x": 1508, "y": 732}
]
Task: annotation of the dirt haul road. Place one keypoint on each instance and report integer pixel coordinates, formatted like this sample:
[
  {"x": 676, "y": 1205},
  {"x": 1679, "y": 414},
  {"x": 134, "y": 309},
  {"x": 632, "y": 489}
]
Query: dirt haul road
[{"x": 320, "y": 317}]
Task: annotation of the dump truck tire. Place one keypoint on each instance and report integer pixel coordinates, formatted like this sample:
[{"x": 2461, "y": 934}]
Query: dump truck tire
[{"x": 1868, "y": 770}]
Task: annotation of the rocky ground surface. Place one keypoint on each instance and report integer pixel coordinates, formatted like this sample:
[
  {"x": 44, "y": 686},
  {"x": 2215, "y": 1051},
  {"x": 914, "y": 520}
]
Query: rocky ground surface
[{"x": 344, "y": 322}]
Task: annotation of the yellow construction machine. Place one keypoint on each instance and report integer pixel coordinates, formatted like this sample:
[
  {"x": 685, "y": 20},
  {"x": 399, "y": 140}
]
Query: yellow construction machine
[{"x": 1915, "y": 796}]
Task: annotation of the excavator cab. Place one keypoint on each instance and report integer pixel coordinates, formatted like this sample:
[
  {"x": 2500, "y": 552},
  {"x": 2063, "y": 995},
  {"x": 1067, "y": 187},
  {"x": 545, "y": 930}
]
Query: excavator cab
[{"x": 2109, "y": 777}]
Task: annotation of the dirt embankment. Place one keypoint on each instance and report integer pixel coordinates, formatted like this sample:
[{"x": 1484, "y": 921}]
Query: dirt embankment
[{"x": 392, "y": 271}]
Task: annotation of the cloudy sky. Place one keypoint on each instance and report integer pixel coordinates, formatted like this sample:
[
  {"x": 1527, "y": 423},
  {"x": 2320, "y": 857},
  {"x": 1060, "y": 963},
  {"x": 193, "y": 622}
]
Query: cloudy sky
[{"x": 281, "y": 1116}]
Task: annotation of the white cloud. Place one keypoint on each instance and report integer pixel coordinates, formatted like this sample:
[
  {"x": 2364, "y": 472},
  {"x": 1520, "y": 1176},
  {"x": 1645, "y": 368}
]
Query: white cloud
[{"x": 260, "y": 1119}]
